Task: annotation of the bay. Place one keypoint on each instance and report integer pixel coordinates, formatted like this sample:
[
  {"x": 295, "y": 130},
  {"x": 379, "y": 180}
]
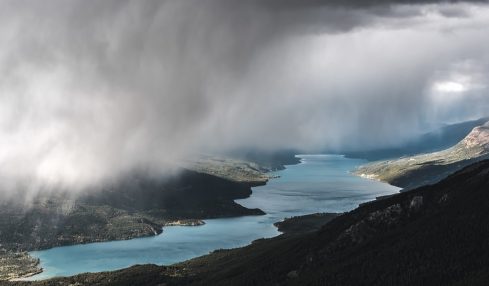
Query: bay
[{"x": 320, "y": 183}]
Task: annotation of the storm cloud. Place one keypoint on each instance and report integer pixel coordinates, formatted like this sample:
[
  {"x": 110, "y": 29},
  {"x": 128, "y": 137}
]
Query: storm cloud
[{"x": 90, "y": 90}]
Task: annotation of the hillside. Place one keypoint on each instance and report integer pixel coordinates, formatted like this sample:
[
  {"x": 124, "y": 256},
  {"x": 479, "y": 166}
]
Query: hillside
[
  {"x": 229, "y": 169},
  {"x": 414, "y": 171},
  {"x": 437, "y": 140},
  {"x": 434, "y": 235},
  {"x": 137, "y": 205},
  {"x": 134, "y": 207}
]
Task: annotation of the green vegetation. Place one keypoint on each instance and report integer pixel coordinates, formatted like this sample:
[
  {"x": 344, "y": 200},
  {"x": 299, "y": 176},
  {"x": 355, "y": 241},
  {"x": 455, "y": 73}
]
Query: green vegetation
[
  {"x": 230, "y": 169},
  {"x": 434, "y": 235},
  {"x": 304, "y": 224},
  {"x": 136, "y": 206},
  {"x": 128, "y": 210},
  {"x": 17, "y": 264}
]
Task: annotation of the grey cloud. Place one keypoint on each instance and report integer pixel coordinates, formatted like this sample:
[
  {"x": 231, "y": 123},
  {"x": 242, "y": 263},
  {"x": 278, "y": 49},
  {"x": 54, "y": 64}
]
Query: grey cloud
[{"x": 90, "y": 90}]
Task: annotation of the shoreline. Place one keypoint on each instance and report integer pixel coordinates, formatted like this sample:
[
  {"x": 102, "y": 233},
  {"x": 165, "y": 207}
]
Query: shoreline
[
  {"x": 27, "y": 276},
  {"x": 289, "y": 226},
  {"x": 364, "y": 244},
  {"x": 18, "y": 265},
  {"x": 154, "y": 231}
]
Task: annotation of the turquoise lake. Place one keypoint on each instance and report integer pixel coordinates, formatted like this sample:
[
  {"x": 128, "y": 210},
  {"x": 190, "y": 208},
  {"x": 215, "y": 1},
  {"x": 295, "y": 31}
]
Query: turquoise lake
[{"x": 320, "y": 183}]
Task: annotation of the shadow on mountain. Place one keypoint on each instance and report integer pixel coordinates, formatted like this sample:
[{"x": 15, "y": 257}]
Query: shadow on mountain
[{"x": 433, "y": 235}]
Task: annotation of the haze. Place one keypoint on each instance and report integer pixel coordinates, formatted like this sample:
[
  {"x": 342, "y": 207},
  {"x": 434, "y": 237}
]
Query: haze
[{"x": 90, "y": 90}]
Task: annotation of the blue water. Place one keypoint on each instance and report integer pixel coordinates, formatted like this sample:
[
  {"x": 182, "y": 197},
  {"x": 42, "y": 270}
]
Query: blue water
[{"x": 321, "y": 183}]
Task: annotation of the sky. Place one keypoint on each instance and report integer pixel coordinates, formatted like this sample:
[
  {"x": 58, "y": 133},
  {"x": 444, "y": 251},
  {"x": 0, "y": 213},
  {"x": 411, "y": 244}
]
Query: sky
[{"x": 90, "y": 90}]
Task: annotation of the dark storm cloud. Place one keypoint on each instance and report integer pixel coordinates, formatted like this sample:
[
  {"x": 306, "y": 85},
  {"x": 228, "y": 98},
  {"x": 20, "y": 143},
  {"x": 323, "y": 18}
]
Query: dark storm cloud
[{"x": 91, "y": 89}]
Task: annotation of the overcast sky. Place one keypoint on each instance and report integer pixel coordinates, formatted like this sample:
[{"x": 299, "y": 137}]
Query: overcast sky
[{"x": 90, "y": 89}]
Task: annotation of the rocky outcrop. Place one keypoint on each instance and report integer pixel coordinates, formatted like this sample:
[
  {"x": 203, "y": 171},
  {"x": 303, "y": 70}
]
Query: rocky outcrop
[{"x": 478, "y": 138}]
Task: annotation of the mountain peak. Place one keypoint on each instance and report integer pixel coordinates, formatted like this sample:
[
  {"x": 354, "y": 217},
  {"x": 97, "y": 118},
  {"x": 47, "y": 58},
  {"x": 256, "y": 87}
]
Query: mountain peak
[{"x": 478, "y": 137}]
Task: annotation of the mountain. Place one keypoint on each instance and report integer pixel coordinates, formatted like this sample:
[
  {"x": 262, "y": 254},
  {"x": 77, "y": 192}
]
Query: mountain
[
  {"x": 136, "y": 205},
  {"x": 414, "y": 171},
  {"x": 433, "y": 235},
  {"x": 443, "y": 138}
]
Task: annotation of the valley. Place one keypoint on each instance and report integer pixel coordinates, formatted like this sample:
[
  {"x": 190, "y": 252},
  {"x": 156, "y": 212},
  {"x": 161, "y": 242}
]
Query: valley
[
  {"x": 391, "y": 238},
  {"x": 138, "y": 206}
]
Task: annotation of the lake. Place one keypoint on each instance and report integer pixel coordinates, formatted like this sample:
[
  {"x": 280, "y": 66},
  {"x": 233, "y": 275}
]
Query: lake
[{"x": 320, "y": 183}]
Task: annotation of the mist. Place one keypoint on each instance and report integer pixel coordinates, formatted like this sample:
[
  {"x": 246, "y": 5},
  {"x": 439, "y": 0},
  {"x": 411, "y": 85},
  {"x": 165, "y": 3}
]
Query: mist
[{"x": 92, "y": 90}]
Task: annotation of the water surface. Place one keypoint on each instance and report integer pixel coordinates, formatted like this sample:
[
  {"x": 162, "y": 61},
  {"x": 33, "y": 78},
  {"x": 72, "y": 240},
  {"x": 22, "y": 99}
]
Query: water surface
[{"x": 321, "y": 183}]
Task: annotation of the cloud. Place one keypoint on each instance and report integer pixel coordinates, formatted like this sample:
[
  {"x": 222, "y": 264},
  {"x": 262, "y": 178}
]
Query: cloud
[{"x": 90, "y": 90}]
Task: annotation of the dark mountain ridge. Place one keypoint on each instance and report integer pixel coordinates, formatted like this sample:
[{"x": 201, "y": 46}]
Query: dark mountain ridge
[{"x": 433, "y": 235}]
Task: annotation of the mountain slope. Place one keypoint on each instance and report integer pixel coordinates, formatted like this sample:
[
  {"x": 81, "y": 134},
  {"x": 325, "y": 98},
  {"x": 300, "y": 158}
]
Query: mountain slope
[
  {"x": 434, "y": 235},
  {"x": 135, "y": 205},
  {"x": 415, "y": 171},
  {"x": 437, "y": 140}
]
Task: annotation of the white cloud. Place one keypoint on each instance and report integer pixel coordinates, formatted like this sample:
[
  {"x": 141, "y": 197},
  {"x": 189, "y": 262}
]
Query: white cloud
[{"x": 449, "y": 86}]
